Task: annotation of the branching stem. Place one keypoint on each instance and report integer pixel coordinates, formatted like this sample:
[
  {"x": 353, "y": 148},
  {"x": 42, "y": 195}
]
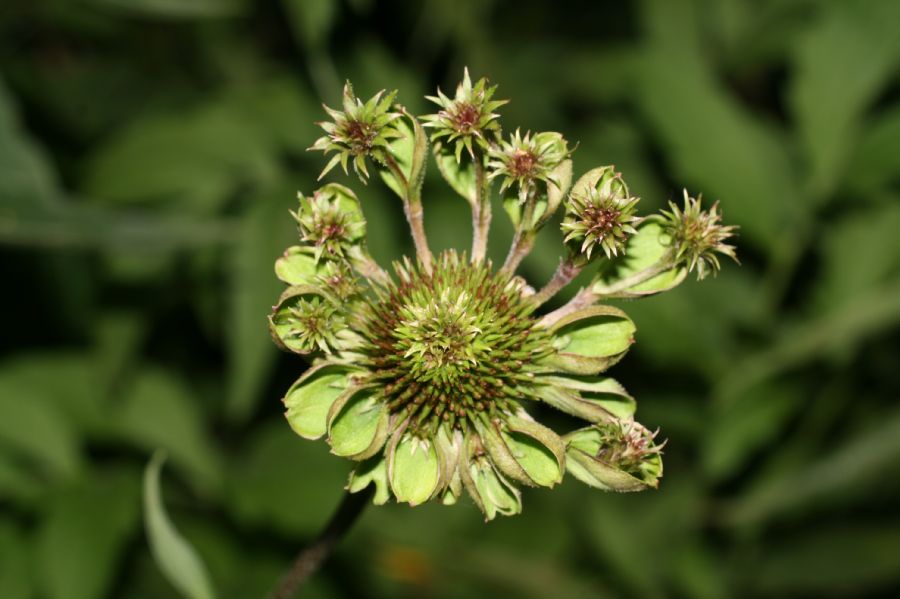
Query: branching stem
[
  {"x": 523, "y": 241},
  {"x": 314, "y": 555},
  {"x": 481, "y": 211},
  {"x": 567, "y": 270},
  {"x": 412, "y": 208}
]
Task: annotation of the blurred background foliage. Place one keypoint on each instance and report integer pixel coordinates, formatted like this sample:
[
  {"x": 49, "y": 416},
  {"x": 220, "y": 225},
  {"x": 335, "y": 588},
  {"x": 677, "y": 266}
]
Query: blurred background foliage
[{"x": 150, "y": 151}]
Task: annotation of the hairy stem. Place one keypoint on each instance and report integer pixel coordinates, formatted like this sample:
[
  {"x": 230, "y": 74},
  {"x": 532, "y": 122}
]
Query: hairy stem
[
  {"x": 582, "y": 299},
  {"x": 481, "y": 212},
  {"x": 412, "y": 208},
  {"x": 523, "y": 241},
  {"x": 565, "y": 272},
  {"x": 314, "y": 555},
  {"x": 368, "y": 268}
]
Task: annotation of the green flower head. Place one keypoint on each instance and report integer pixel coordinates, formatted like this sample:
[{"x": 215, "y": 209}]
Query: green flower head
[
  {"x": 433, "y": 378},
  {"x": 524, "y": 161},
  {"x": 600, "y": 215},
  {"x": 697, "y": 235},
  {"x": 362, "y": 129},
  {"x": 468, "y": 118}
]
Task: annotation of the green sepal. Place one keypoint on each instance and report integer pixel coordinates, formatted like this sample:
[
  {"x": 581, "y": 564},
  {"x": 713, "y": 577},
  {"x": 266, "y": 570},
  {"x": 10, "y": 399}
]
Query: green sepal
[
  {"x": 582, "y": 449},
  {"x": 644, "y": 269},
  {"x": 449, "y": 445},
  {"x": 537, "y": 449},
  {"x": 490, "y": 491},
  {"x": 591, "y": 398},
  {"x": 501, "y": 454},
  {"x": 371, "y": 471},
  {"x": 298, "y": 266},
  {"x": 310, "y": 398},
  {"x": 591, "y": 340},
  {"x": 460, "y": 175},
  {"x": 414, "y": 469},
  {"x": 357, "y": 424}
]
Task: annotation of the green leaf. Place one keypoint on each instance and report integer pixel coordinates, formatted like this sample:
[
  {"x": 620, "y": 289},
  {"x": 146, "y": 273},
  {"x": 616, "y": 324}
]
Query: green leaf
[
  {"x": 875, "y": 165},
  {"x": 837, "y": 560},
  {"x": 848, "y": 56},
  {"x": 15, "y": 569},
  {"x": 159, "y": 411},
  {"x": 697, "y": 122},
  {"x": 413, "y": 470},
  {"x": 311, "y": 20},
  {"x": 737, "y": 429},
  {"x": 193, "y": 160},
  {"x": 177, "y": 9},
  {"x": 309, "y": 400},
  {"x": 28, "y": 183},
  {"x": 82, "y": 538},
  {"x": 35, "y": 428},
  {"x": 284, "y": 484},
  {"x": 173, "y": 554}
]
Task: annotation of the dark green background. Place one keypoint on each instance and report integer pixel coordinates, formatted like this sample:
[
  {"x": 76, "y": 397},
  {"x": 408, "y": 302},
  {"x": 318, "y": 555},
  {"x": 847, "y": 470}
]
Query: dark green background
[{"x": 150, "y": 151}]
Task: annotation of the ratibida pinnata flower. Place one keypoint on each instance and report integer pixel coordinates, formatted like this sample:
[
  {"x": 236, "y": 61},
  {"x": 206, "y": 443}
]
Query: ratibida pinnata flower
[{"x": 428, "y": 375}]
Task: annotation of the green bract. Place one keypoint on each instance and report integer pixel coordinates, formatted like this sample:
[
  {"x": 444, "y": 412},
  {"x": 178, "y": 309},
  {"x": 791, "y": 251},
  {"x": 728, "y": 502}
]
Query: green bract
[{"x": 431, "y": 377}]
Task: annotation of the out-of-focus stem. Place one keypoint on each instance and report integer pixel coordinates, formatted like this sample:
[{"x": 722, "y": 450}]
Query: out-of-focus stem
[{"x": 314, "y": 555}]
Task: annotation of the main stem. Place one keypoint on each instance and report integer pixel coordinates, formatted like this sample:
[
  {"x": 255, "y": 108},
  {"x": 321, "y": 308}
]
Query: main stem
[
  {"x": 314, "y": 555},
  {"x": 481, "y": 211}
]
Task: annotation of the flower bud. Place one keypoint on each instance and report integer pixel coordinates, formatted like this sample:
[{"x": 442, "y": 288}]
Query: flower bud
[
  {"x": 331, "y": 221},
  {"x": 617, "y": 455},
  {"x": 306, "y": 319},
  {"x": 361, "y": 130},
  {"x": 525, "y": 161},
  {"x": 599, "y": 213},
  {"x": 468, "y": 118},
  {"x": 696, "y": 236}
]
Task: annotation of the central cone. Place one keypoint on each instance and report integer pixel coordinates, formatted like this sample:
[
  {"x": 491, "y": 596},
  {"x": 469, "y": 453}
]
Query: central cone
[{"x": 452, "y": 346}]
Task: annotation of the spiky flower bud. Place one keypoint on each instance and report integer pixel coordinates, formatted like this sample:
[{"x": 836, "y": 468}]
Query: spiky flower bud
[
  {"x": 468, "y": 118},
  {"x": 697, "y": 235},
  {"x": 361, "y": 130},
  {"x": 618, "y": 455},
  {"x": 427, "y": 378},
  {"x": 600, "y": 214},
  {"x": 330, "y": 221},
  {"x": 524, "y": 161}
]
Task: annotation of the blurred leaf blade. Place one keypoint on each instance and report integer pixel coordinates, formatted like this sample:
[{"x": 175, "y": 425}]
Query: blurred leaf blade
[{"x": 173, "y": 554}]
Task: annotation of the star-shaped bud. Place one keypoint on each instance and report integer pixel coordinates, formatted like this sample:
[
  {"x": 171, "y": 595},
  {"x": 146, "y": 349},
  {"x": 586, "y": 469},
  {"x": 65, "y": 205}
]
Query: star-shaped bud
[
  {"x": 330, "y": 221},
  {"x": 524, "y": 161},
  {"x": 361, "y": 130},
  {"x": 697, "y": 235},
  {"x": 601, "y": 215},
  {"x": 468, "y": 118}
]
